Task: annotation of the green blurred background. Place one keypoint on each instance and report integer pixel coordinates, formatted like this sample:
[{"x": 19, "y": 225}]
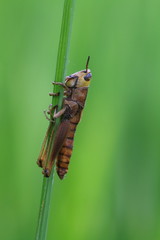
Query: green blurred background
[{"x": 112, "y": 189}]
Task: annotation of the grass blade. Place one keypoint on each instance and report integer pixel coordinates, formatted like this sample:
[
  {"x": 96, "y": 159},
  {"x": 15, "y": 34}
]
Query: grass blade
[{"x": 59, "y": 76}]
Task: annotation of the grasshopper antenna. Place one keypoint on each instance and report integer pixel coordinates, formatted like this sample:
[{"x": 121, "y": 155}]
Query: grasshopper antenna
[{"x": 87, "y": 63}]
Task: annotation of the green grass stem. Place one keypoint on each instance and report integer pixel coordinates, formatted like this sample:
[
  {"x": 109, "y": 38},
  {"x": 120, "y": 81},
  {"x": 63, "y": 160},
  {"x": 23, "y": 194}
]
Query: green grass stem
[{"x": 62, "y": 58}]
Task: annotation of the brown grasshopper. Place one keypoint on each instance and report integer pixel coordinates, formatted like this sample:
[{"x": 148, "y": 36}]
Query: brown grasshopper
[{"x": 76, "y": 89}]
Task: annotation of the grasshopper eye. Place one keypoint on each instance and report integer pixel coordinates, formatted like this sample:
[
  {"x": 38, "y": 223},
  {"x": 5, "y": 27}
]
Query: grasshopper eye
[{"x": 87, "y": 77}]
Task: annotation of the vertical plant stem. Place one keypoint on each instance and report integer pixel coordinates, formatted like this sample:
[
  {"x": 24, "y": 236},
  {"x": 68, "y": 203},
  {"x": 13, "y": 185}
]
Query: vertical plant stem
[{"x": 59, "y": 77}]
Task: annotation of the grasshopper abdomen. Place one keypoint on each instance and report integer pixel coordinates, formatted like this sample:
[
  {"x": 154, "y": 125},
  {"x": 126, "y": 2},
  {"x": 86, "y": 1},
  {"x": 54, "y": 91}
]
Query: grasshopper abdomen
[{"x": 65, "y": 153}]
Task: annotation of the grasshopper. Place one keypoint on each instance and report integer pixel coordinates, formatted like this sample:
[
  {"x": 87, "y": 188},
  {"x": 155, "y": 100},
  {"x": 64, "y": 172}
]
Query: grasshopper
[{"x": 75, "y": 92}]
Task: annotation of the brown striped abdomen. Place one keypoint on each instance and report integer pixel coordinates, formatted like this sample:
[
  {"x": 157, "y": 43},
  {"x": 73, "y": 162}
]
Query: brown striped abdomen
[{"x": 65, "y": 153}]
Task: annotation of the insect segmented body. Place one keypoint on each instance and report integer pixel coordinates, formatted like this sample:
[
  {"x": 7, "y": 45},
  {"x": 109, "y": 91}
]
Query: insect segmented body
[{"x": 76, "y": 89}]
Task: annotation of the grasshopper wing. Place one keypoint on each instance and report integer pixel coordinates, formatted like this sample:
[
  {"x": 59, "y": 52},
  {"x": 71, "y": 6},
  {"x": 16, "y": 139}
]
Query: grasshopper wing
[{"x": 58, "y": 143}]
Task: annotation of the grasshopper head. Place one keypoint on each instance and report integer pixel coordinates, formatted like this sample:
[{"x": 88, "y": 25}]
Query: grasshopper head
[{"x": 79, "y": 79}]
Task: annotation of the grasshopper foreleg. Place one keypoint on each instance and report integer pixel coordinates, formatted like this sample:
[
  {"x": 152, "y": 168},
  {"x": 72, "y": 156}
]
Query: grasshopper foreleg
[
  {"x": 61, "y": 84},
  {"x": 67, "y": 91}
]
